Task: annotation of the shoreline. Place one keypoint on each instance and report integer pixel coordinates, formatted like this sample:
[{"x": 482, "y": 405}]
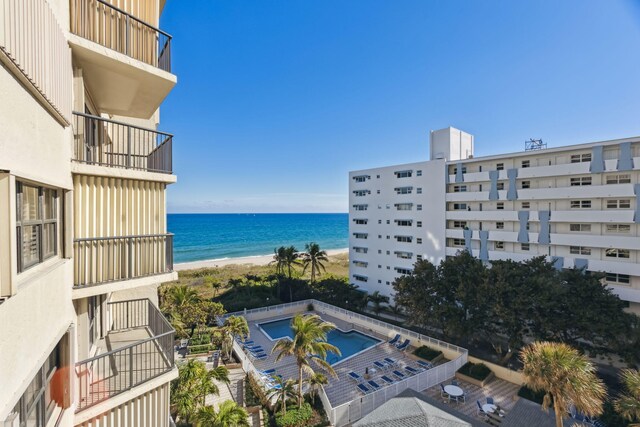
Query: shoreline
[{"x": 250, "y": 260}]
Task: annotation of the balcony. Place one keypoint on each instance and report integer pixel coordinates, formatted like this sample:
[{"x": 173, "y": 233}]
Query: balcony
[
  {"x": 103, "y": 142},
  {"x": 125, "y": 62},
  {"x": 101, "y": 260},
  {"x": 138, "y": 347}
]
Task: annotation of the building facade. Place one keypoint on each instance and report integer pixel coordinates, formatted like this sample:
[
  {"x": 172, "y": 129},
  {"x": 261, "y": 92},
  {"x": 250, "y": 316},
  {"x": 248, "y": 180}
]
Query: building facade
[
  {"x": 83, "y": 233},
  {"x": 577, "y": 205}
]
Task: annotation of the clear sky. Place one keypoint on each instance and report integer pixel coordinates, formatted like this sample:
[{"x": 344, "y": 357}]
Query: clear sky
[{"x": 277, "y": 100}]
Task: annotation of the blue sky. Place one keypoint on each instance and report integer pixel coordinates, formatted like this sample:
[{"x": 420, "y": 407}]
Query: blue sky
[{"x": 277, "y": 100}]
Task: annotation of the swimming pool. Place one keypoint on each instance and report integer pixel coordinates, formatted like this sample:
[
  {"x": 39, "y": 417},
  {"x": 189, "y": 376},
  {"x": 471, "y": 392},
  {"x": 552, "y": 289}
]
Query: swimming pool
[{"x": 350, "y": 343}]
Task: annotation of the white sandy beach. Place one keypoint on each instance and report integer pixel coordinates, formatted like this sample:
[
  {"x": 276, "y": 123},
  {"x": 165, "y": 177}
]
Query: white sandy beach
[{"x": 254, "y": 260}]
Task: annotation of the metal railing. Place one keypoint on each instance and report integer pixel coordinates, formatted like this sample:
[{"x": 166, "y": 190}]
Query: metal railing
[
  {"x": 104, "y": 142},
  {"x": 109, "y": 374},
  {"x": 112, "y": 27},
  {"x": 107, "y": 259}
]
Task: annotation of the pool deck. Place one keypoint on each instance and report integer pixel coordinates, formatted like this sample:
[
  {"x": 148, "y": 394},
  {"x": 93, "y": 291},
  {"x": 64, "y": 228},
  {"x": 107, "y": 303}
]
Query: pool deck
[{"x": 341, "y": 389}]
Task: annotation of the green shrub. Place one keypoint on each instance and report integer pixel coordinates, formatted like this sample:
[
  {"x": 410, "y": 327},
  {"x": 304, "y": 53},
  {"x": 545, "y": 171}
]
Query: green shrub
[
  {"x": 427, "y": 353},
  {"x": 198, "y": 349},
  {"x": 295, "y": 417},
  {"x": 534, "y": 396},
  {"x": 251, "y": 398},
  {"x": 200, "y": 340},
  {"x": 478, "y": 371},
  {"x": 310, "y": 307}
]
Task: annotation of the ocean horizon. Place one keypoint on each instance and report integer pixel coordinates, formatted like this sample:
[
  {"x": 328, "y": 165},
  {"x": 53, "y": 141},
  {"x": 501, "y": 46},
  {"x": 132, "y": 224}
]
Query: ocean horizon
[{"x": 219, "y": 236}]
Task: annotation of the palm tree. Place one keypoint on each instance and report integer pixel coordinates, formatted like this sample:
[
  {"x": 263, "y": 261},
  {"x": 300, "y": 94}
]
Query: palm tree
[
  {"x": 566, "y": 377},
  {"x": 279, "y": 256},
  {"x": 215, "y": 285},
  {"x": 290, "y": 259},
  {"x": 193, "y": 384},
  {"x": 236, "y": 326},
  {"x": 628, "y": 403},
  {"x": 313, "y": 257},
  {"x": 229, "y": 415},
  {"x": 181, "y": 296},
  {"x": 284, "y": 390},
  {"x": 315, "y": 381},
  {"x": 309, "y": 344},
  {"x": 378, "y": 299},
  {"x": 396, "y": 310}
]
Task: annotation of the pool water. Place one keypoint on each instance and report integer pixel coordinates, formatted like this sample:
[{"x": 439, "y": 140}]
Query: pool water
[{"x": 349, "y": 343}]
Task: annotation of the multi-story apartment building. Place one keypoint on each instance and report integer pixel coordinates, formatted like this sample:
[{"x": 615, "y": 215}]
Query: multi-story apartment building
[
  {"x": 83, "y": 233},
  {"x": 577, "y": 205}
]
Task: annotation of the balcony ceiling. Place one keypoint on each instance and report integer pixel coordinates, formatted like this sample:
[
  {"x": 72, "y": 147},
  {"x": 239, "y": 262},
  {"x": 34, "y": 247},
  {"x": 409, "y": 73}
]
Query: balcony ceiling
[{"x": 119, "y": 84}]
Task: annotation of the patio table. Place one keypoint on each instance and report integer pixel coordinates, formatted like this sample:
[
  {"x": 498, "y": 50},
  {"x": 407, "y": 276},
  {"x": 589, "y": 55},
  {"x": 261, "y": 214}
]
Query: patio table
[{"x": 453, "y": 390}]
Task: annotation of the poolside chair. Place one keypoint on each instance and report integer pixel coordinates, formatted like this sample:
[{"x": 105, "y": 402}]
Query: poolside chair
[
  {"x": 399, "y": 374},
  {"x": 253, "y": 347},
  {"x": 354, "y": 376},
  {"x": 374, "y": 384},
  {"x": 386, "y": 379},
  {"x": 404, "y": 345},
  {"x": 268, "y": 371},
  {"x": 455, "y": 382},
  {"x": 480, "y": 410},
  {"x": 425, "y": 365},
  {"x": 395, "y": 339},
  {"x": 411, "y": 370},
  {"x": 390, "y": 361},
  {"x": 380, "y": 365},
  {"x": 443, "y": 393},
  {"x": 363, "y": 388},
  {"x": 490, "y": 401},
  {"x": 261, "y": 356}
]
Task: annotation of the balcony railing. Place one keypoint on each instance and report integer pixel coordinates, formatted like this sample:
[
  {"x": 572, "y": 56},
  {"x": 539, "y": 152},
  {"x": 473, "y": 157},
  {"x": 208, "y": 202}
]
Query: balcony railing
[
  {"x": 107, "y": 259},
  {"x": 99, "y": 141},
  {"x": 111, "y": 27},
  {"x": 116, "y": 371}
]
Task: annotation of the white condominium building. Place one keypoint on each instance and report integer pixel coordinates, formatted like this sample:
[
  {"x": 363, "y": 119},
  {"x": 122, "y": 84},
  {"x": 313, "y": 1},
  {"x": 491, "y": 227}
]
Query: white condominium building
[
  {"x": 578, "y": 205},
  {"x": 83, "y": 232}
]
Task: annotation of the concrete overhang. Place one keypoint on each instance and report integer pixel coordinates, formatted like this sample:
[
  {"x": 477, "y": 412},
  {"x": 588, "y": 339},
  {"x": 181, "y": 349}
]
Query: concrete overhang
[{"x": 119, "y": 84}]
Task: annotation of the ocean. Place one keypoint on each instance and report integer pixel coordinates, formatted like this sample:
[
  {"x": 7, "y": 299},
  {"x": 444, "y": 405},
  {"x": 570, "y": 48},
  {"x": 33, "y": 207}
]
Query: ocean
[{"x": 200, "y": 237}]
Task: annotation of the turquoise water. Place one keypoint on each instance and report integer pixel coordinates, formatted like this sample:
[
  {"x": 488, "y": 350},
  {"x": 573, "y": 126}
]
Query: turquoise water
[
  {"x": 201, "y": 237},
  {"x": 349, "y": 343}
]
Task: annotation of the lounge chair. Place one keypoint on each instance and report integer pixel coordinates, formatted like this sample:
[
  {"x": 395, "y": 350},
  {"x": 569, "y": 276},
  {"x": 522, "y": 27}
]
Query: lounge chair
[
  {"x": 425, "y": 365},
  {"x": 273, "y": 386},
  {"x": 395, "y": 339},
  {"x": 354, "y": 376},
  {"x": 490, "y": 400},
  {"x": 260, "y": 356},
  {"x": 404, "y": 345},
  {"x": 374, "y": 384},
  {"x": 268, "y": 371},
  {"x": 399, "y": 374},
  {"x": 253, "y": 347},
  {"x": 363, "y": 388},
  {"x": 380, "y": 365},
  {"x": 411, "y": 370},
  {"x": 390, "y": 361},
  {"x": 386, "y": 379}
]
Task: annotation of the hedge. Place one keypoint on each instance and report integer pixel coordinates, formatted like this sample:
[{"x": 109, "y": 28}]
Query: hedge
[
  {"x": 478, "y": 371},
  {"x": 427, "y": 353},
  {"x": 295, "y": 417},
  {"x": 196, "y": 349},
  {"x": 534, "y": 396}
]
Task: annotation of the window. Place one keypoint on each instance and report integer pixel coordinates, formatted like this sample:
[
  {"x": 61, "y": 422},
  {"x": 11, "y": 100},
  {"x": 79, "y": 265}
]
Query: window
[
  {"x": 403, "y": 270},
  {"x": 403, "y": 174},
  {"x": 499, "y": 246},
  {"x": 584, "y": 180},
  {"x": 526, "y": 163},
  {"x": 499, "y": 166},
  {"x": 360, "y": 249},
  {"x": 458, "y": 242},
  {"x": 499, "y": 225},
  {"x": 418, "y": 173},
  {"x": 388, "y": 222},
  {"x": 500, "y": 186},
  {"x": 526, "y": 205},
  {"x": 528, "y": 226},
  {"x": 578, "y": 158},
  {"x": 619, "y": 179},
  {"x": 36, "y": 224},
  {"x": 500, "y": 206},
  {"x": 360, "y": 193},
  {"x": 404, "y": 255},
  {"x": 455, "y": 169},
  {"x": 579, "y": 250},
  {"x": 360, "y": 207},
  {"x": 379, "y": 236},
  {"x": 361, "y": 221},
  {"x": 617, "y": 253},
  {"x": 360, "y": 278},
  {"x": 459, "y": 224},
  {"x": 623, "y": 279},
  {"x": 403, "y": 190},
  {"x": 419, "y": 190},
  {"x": 377, "y": 176},
  {"x": 405, "y": 239},
  {"x": 404, "y": 206},
  {"x": 388, "y": 237},
  {"x": 618, "y": 228},
  {"x": 419, "y": 240},
  {"x": 619, "y": 204},
  {"x": 360, "y": 263},
  {"x": 419, "y": 257},
  {"x": 419, "y": 224},
  {"x": 524, "y": 246},
  {"x": 581, "y": 204},
  {"x": 459, "y": 206},
  {"x": 360, "y": 235},
  {"x": 361, "y": 178},
  {"x": 380, "y": 251},
  {"x": 419, "y": 207},
  {"x": 525, "y": 184},
  {"x": 459, "y": 188},
  {"x": 379, "y": 221},
  {"x": 480, "y": 187},
  {"x": 580, "y": 227}
]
